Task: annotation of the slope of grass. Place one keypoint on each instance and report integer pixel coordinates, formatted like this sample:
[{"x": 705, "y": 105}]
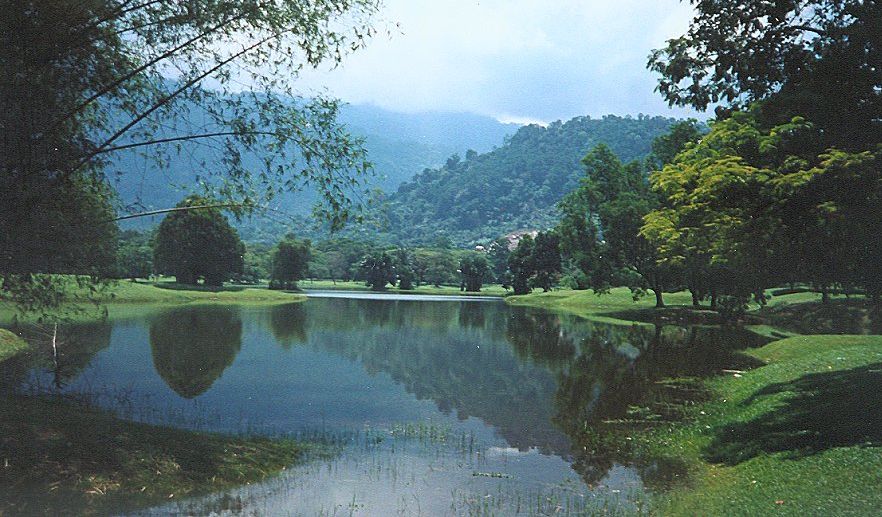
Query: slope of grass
[
  {"x": 801, "y": 435},
  {"x": 596, "y": 306},
  {"x": 10, "y": 345},
  {"x": 61, "y": 457}
]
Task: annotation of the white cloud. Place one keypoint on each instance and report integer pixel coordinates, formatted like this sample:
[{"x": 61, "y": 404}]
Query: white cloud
[{"x": 512, "y": 59}]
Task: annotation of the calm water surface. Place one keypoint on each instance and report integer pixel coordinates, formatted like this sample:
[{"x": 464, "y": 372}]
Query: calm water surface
[{"x": 435, "y": 405}]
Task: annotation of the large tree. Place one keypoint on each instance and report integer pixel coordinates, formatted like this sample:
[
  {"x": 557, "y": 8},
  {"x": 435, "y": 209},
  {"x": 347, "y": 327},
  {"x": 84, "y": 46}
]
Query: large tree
[
  {"x": 600, "y": 229},
  {"x": 290, "y": 262},
  {"x": 200, "y": 243},
  {"x": 474, "y": 268},
  {"x": 378, "y": 269},
  {"x": 82, "y": 80},
  {"x": 819, "y": 59}
]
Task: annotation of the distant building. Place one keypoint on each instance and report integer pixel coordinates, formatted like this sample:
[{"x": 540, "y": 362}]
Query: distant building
[{"x": 515, "y": 237}]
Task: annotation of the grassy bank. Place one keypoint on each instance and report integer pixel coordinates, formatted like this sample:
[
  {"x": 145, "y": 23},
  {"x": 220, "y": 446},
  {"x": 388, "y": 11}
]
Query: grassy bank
[
  {"x": 121, "y": 297},
  {"x": 61, "y": 457},
  {"x": 617, "y": 305},
  {"x": 487, "y": 290},
  {"x": 168, "y": 292},
  {"x": 10, "y": 345},
  {"x": 800, "y": 435}
]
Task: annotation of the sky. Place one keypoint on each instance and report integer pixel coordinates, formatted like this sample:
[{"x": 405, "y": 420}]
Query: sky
[{"x": 514, "y": 60}]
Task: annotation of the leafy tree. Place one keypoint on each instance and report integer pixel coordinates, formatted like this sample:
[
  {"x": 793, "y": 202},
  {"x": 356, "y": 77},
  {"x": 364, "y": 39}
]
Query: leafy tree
[
  {"x": 98, "y": 86},
  {"x": 520, "y": 264},
  {"x": 546, "y": 260},
  {"x": 435, "y": 266},
  {"x": 817, "y": 59},
  {"x": 611, "y": 201},
  {"x": 257, "y": 263},
  {"x": 378, "y": 269},
  {"x": 666, "y": 147},
  {"x": 404, "y": 269},
  {"x": 290, "y": 262},
  {"x": 193, "y": 244},
  {"x": 134, "y": 255},
  {"x": 474, "y": 267},
  {"x": 579, "y": 236},
  {"x": 498, "y": 257}
]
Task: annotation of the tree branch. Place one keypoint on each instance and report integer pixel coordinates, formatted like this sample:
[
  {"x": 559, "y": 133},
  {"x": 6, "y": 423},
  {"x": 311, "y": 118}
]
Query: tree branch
[
  {"x": 179, "y": 209},
  {"x": 165, "y": 100}
]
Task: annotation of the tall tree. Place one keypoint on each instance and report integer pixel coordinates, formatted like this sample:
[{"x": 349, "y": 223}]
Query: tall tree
[
  {"x": 818, "y": 59},
  {"x": 520, "y": 264},
  {"x": 474, "y": 267},
  {"x": 194, "y": 244},
  {"x": 546, "y": 260},
  {"x": 378, "y": 269},
  {"x": 600, "y": 229},
  {"x": 82, "y": 80},
  {"x": 404, "y": 268},
  {"x": 290, "y": 262}
]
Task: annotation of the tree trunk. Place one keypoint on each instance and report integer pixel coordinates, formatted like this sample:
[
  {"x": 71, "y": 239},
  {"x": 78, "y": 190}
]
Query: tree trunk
[
  {"x": 696, "y": 301},
  {"x": 659, "y": 300},
  {"x": 825, "y": 296}
]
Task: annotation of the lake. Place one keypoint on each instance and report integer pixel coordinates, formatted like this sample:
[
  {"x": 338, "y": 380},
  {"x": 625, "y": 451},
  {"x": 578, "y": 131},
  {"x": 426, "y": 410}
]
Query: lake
[{"x": 429, "y": 405}]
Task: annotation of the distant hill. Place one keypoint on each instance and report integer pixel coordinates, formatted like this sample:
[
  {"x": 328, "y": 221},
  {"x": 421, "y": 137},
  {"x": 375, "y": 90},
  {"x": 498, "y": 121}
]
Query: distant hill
[
  {"x": 515, "y": 186},
  {"x": 399, "y": 145}
]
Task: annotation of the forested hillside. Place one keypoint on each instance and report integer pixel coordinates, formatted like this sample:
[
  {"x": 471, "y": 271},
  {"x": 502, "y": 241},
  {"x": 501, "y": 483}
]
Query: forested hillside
[
  {"x": 399, "y": 145},
  {"x": 516, "y": 186}
]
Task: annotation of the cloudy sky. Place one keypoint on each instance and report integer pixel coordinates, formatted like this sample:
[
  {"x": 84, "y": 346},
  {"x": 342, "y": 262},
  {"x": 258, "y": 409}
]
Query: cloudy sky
[{"x": 515, "y": 60}]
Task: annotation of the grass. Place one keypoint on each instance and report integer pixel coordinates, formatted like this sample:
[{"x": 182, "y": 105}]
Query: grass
[
  {"x": 799, "y": 435},
  {"x": 168, "y": 292},
  {"x": 487, "y": 290},
  {"x": 614, "y": 306},
  {"x": 10, "y": 345},
  {"x": 59, "y": 455},
  {"x": 119, "y": 298}
]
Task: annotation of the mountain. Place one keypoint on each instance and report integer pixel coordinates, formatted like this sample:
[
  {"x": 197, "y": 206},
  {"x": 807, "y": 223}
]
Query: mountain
[
  {"x": 515, "y": 186},
  {"x": 399, "y": 145}
]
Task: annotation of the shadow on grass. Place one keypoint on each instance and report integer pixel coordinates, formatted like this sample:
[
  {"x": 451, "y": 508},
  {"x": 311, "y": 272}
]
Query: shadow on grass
[
  {"x": 672, "y": 315},
  {"x": 65, "y": 458},
  {"x": 821, "y": 411},
  {"x": 854, "y": 316},
  {"x": 174, "y": 286}
]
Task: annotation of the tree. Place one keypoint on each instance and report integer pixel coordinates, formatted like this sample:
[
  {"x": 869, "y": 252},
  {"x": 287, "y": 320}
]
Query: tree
[
  {"x": 817, "y": 59},
  {"x": 404, "y": 269},
  {"x": 378, "y": 269},
  {"x": 290, "y": 262},
  {"x": 600, "y": 229},
  {"x": 545, "y": 260},
  {"x": 85, "y": 80},
  {"x": 474, "y": 267},
  {"x": 134, "y": 255},
  {"x": 520, "y": 264},
  {"x": 498, "y": 257},
  {"x": 195, "y": 244},
  {"x": 435, "y": 266}
]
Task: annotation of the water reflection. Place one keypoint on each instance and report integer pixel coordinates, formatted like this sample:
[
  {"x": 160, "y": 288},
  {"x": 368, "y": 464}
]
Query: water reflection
[
  {"x": 555, "y": 395},
  {"x": 288, "y": 324},
  {"x": 192, "y": 346}
]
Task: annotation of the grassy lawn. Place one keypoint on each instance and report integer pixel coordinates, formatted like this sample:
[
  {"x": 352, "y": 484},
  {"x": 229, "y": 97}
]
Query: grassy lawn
[
  {"x": 169, "y": 292},
  {"x": 59, "y": 455},
  {"x": 487, "y": 290},
  {"x": 125, "y": 296},
  {"x": 10, "y": 345},
  {"x": 596, "y": 307},
  {"x": 801, "y": 435}
]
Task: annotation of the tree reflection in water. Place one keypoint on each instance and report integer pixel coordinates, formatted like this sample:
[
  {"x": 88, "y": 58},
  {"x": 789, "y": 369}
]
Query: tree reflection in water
[{"x": 192, "y": 346}]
